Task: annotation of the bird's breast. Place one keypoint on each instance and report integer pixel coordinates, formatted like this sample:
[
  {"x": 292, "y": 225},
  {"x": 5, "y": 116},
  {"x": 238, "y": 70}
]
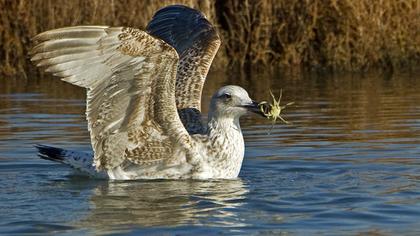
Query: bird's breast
[{"x": 221, "y": 156}]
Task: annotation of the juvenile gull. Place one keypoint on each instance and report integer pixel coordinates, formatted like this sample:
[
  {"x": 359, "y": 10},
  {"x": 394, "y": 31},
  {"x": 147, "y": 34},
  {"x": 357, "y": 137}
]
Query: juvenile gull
[{"x": 143, "y": 98}]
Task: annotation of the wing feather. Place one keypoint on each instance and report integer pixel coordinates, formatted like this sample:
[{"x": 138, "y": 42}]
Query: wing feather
[
  {"x": 197, "y": 42},
  {"x": 130, "y": 81}
]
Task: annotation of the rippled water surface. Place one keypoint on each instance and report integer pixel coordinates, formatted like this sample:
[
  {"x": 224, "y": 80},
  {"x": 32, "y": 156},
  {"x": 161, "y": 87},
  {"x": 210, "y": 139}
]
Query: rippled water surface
[{"x": 348, "y": 164}]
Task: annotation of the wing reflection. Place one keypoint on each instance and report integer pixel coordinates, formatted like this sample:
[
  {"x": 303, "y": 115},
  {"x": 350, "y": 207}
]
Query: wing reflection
[{"x": 165, "y": 203}]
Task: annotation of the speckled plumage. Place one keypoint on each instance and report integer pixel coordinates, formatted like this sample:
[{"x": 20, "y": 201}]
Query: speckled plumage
[
  {"x": 143, "y": 96},
  {"x": 197, "y": 42}
]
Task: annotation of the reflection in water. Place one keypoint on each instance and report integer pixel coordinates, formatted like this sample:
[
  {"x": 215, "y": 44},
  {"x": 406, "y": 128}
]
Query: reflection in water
[
  {"x": 349, "y": 163},
  {"x": 353, "y": 107},
  {"x": 165, "y": 203}
]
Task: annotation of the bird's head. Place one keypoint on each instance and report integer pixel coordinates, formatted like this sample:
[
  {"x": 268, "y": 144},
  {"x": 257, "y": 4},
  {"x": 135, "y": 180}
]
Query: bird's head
[{"x": 232, "y": 102}]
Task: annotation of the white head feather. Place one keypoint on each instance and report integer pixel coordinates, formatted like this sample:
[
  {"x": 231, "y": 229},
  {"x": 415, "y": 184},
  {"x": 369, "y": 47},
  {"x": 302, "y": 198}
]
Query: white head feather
[{"x": 229, "y": 102}]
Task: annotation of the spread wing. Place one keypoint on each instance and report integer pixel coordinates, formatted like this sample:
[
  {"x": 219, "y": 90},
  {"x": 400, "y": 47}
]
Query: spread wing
[
  {"x": 130, "y": 80},
  {"x": 196, "y": 41}
]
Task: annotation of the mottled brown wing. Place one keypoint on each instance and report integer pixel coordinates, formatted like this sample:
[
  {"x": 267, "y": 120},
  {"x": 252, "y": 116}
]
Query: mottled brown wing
[
  {"x": 196, "y": 41},
  {"x": 130, "y": 80}
]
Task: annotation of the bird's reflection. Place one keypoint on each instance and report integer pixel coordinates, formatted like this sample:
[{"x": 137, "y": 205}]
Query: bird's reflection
[{"x": 165, "y": 203}]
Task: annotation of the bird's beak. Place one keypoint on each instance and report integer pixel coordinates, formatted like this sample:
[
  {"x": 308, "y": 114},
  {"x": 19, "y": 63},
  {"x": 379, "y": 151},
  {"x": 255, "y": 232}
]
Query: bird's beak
[{"x": 255, "y": 107}]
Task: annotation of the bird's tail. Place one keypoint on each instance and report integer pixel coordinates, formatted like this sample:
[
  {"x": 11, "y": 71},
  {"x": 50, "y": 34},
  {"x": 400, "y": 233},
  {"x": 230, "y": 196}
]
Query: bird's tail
[{"x": 80, "y": 161}]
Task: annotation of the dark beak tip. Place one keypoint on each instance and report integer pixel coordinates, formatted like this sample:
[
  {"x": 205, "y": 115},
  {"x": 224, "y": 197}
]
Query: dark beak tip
[{"x": 254, "y": 107}]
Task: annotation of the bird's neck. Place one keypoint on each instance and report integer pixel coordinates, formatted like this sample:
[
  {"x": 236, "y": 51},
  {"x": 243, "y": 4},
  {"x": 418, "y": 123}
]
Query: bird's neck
[
  {"x": 224, "y": 125},
  {"x": 226, "y": 132},
  {"x": 226, "y": 135}
]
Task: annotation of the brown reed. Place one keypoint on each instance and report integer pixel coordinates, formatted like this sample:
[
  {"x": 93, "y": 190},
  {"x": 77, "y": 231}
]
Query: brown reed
[{"x": 334, "y": 34}]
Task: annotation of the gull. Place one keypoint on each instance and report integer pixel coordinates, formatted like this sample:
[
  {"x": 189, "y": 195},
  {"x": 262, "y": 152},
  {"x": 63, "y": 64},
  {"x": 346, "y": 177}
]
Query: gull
[{"x": 144, "y": 98}]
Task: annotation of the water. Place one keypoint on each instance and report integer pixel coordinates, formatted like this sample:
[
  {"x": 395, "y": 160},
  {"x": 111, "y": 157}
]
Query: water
[{"x": 348, "y": 164}]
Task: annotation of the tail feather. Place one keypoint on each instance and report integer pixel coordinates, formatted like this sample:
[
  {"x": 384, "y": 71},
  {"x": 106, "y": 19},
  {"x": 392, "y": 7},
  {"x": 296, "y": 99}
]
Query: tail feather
[{"x": 80, "y": 161}]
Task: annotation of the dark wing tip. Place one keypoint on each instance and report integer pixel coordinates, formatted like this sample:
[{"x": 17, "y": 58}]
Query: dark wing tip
[
  {"x": 181, "y": 27},
  {"x": 49, "y": 153}
]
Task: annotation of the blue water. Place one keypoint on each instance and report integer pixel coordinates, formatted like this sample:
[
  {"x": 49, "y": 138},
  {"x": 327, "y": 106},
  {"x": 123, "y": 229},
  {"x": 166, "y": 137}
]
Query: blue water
[{"x": 348, "y": 164}]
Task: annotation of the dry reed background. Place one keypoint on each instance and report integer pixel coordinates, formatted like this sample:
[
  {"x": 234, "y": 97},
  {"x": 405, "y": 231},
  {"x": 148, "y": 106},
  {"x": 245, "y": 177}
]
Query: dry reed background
[{"x": 333, "y": 34}]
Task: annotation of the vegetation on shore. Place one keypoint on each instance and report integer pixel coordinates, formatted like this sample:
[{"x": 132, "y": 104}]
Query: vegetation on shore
[{"x": 335, "y": 34}]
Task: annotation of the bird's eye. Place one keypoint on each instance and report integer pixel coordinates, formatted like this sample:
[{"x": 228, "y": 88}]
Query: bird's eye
[{"x": 226, "y": 96}]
